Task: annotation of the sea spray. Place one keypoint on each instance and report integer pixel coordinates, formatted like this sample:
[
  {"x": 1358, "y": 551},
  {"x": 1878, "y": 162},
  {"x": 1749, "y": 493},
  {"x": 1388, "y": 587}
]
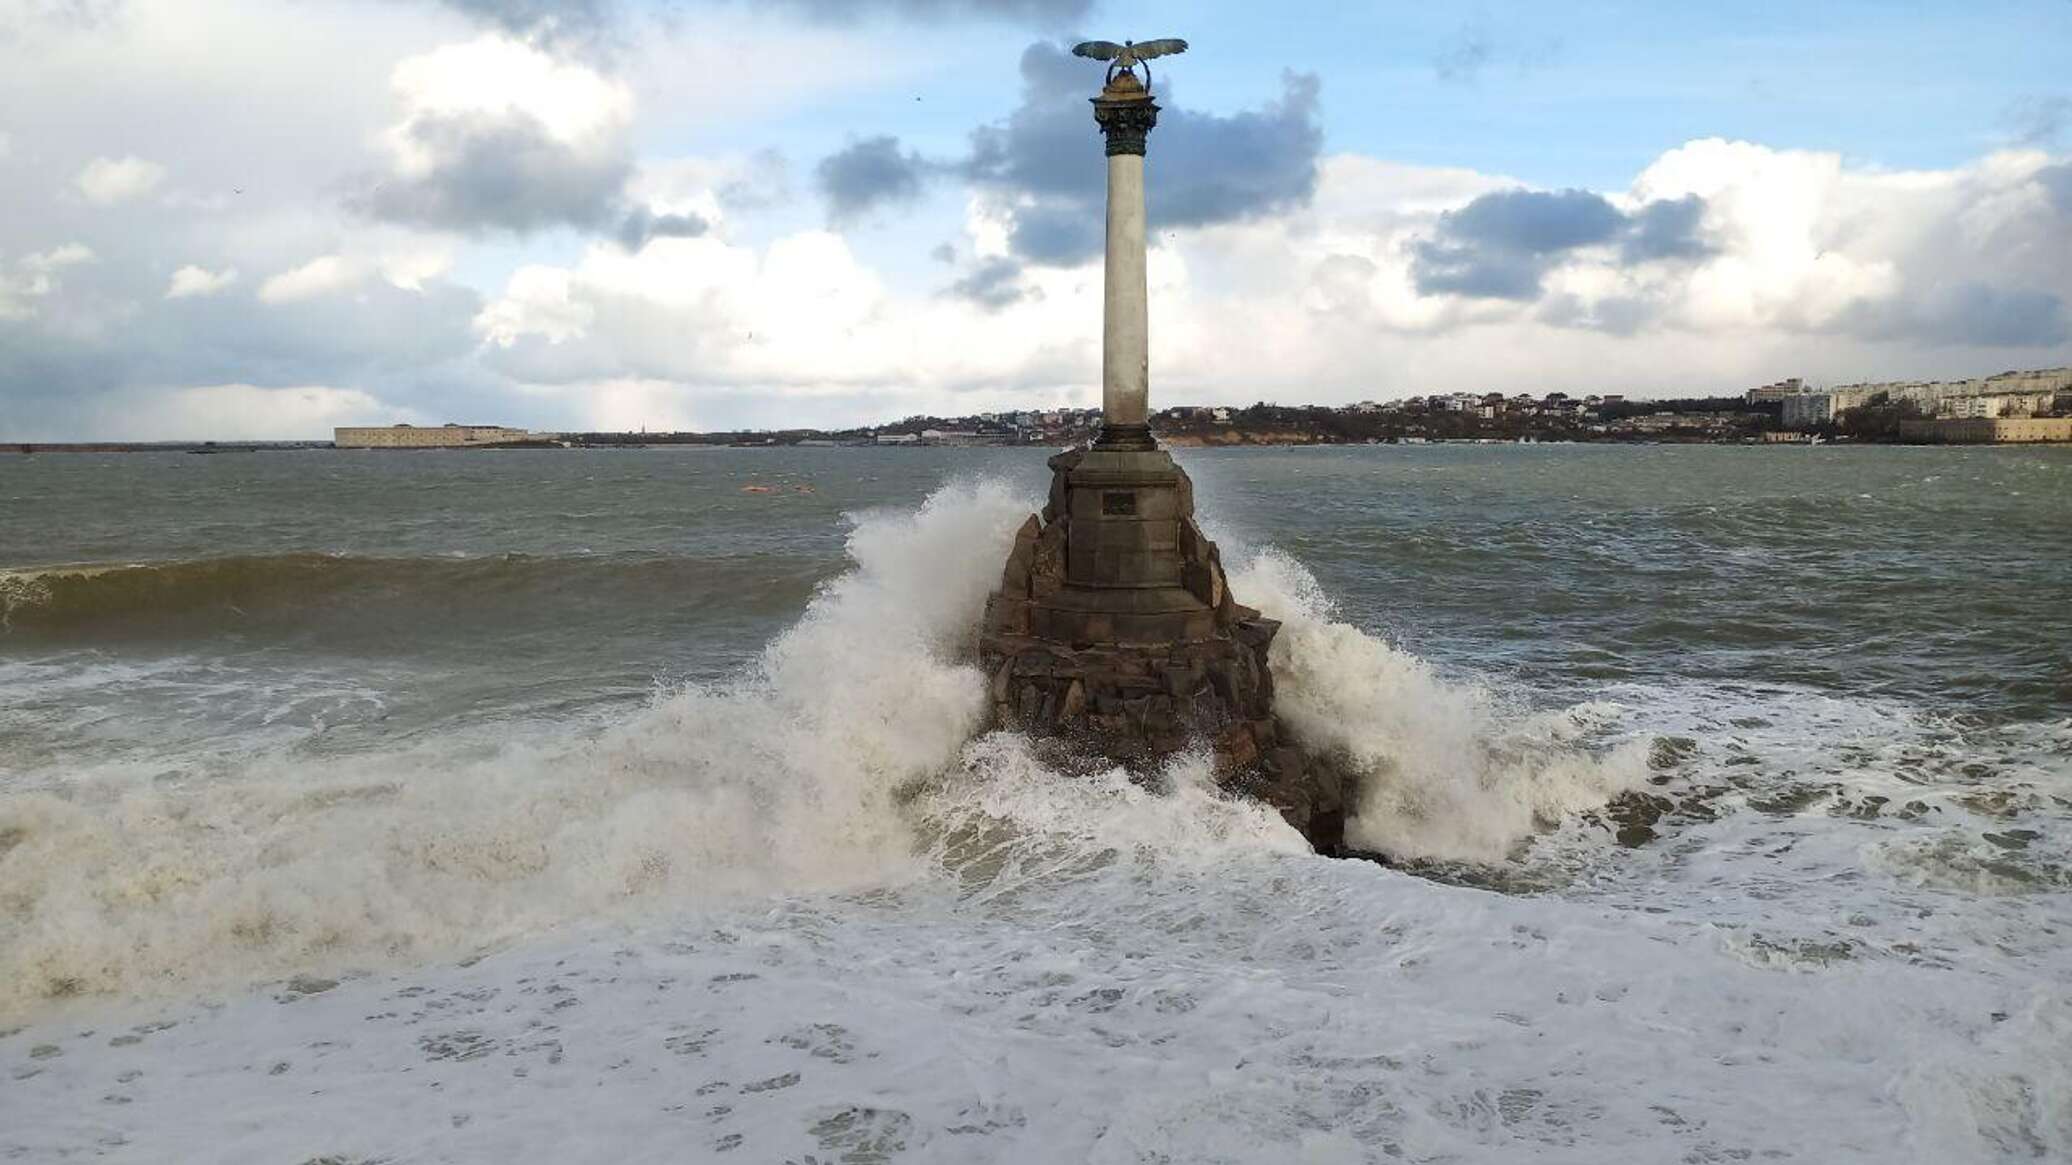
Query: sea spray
[
  {"x": 1007, "y": 795},
  {"x": 785, "y": 779},
  {"x": 1443, "y": 771},
  {"x": 851, "y": 755}
]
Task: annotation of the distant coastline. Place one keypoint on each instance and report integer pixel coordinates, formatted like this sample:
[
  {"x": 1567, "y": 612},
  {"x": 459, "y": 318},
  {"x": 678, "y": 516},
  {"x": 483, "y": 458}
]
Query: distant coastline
[{"x": 2008, "y": 408}]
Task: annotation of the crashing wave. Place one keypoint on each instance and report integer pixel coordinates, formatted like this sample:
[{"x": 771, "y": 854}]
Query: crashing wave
[{"x": 846, "y": 758}]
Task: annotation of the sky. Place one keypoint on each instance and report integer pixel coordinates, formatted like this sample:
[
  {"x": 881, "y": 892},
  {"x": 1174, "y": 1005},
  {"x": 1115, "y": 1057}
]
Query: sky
[{"x": 247, "y": 219}]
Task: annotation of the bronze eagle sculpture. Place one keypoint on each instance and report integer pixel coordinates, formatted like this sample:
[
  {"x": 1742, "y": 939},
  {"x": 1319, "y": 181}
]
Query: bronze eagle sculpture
[{"x": 1129, "y": 53}]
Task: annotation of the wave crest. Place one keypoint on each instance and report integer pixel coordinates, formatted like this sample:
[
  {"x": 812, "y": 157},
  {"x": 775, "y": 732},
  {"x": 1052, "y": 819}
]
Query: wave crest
[
  {"x": 844, "y": 758},
  {"x": 790, "y": 778},
  {"x": 1445, "y": 772}
]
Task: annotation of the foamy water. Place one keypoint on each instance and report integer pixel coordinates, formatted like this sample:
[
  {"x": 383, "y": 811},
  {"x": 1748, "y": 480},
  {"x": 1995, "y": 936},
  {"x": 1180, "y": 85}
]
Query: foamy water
[
  {"x": 808, "y": 911},
  {"x": 833, "y": 764}
]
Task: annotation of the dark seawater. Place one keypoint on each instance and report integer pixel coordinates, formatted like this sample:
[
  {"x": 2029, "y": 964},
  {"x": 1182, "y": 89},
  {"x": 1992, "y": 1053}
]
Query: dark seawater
[
  {"x": 469, "y": 585},
  {"x": 1937, "y": 575},
  {"x": 1734, "y": 787}
]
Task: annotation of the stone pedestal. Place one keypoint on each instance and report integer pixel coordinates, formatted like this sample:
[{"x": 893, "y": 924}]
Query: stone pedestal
[{"x": 1115, "y": 632}]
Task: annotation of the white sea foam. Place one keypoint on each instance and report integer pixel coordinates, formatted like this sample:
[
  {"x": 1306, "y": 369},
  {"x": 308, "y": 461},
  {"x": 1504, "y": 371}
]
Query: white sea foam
[
  {"x": 1445, "y": 771},
  {"x": 799, "y": 776},
  {"x": 1007, "y": 796},
  {"x": 786, "y": 779}
]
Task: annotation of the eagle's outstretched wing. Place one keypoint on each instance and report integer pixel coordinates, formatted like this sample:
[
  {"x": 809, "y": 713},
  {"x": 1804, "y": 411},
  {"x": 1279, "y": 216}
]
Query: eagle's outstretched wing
[
  {"x": 1100, "y": 50},
  {"x": 1158, "y": 48}
]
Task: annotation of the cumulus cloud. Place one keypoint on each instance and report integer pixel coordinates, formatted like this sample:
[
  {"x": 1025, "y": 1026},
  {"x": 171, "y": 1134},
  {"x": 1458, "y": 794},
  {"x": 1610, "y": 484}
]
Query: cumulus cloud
[
  {"x": 798, "y": 328},
  {"x": 760, "y": 181},
  {"x": 1668, "y": 229},
  {"x": 1720, "y": 264},
  {"x": 65, "y": 378},
  {"x": 994, "y": 284},
  {"x": 499, "y": 171},
  {"x": 867, "y": 175},
  {"x": 107, "y": 181},
  {"x": 1720, "y": 238},
  {"x": 85, "y": 343},
  {"x": 191, "y": 281},
  {"x": 1501, "y": 245},
  {"x": 498, "y": 134},
  {"x": 1043, "y": 166},
  {"x": 323, "y": 275},
  {"x": 641, "y": 225},
  {"x": 58, "y": 258},
  {"x": 713, "y": 187},
  {"x": 248, "y": 412},
  {"x": 35, "y": 276},
  {"x": 2056, "y": 181},
  {"x": 1970, "y": 313},
  {"x": 405, "y": 266}
]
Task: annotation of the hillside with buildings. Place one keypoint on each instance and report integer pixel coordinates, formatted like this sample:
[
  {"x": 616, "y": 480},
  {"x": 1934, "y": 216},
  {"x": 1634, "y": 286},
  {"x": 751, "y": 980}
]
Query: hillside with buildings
[
  {"x": 2011, "y": 407},
  {"x": 2030, "y": 407}
]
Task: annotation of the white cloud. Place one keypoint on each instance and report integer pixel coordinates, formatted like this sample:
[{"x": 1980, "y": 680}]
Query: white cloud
[
  {"x": 107, "y": 181},
  {"x": 213, "y": 85},
  {"x": 537, "y": 301},
  {"x": 58, "y": 258},
  {"x": 1809, "y": 267},
  {"x": 245, "y": 412},
  {"x": 497, "y": 134},
  {"x": 627, "y": 405},
  {"x": 802, "y": 316},
  {"x": 192, "y": 281},
  {"x": 323, "y": 275},
  {"x": 409, "y": 265},
  {"x": 33, "y": 278},
  {"x": 497, "y": 75},
  {"x": 403, "y": 263}
]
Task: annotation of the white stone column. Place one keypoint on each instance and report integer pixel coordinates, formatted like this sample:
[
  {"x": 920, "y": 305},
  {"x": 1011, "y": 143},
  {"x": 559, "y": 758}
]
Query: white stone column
[
  {"x": 1126, "y": 115},
  {"x": 1126, "y": 330}
]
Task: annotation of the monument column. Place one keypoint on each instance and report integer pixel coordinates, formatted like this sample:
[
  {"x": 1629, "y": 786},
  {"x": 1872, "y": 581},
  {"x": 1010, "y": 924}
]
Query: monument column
[
  {"x": 1114, "y": 629},
  {"x": 1126, "y": 114}
]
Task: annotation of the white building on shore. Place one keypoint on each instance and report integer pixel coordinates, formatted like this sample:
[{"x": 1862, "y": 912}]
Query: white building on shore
[
  {"x": 2004, "y": 394},
  {"x": 447, "y": 436}
]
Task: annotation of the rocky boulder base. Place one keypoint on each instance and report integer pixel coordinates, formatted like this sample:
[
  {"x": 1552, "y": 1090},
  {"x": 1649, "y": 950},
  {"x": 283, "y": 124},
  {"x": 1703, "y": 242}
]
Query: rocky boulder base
[{"x": 1138, "y": 703}]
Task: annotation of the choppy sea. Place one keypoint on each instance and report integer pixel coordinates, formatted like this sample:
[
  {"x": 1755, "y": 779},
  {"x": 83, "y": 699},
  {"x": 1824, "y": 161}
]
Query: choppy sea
[{"x": 635, "y": 806}]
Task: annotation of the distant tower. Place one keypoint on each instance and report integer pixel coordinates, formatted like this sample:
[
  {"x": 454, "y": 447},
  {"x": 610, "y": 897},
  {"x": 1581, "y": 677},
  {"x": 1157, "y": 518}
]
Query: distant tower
[{"x": 1114, "y": 629}]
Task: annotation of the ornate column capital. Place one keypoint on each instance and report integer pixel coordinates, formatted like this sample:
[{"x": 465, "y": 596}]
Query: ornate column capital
[{"x": 1125, "y": 113}]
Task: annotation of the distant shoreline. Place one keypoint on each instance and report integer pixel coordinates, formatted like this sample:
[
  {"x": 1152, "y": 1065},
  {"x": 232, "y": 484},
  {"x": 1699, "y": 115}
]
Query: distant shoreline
[
  {"x": 1461, "y": 419},
  {"x": 1174, "y": 441}
]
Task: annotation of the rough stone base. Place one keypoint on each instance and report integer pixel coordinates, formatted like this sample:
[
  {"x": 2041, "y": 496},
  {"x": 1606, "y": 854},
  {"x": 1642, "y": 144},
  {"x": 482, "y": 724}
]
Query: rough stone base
[{"x": 1065, "y": 664}]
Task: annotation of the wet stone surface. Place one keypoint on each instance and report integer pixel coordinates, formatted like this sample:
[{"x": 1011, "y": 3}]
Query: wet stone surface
[{"x": 1138, "y": 703}]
